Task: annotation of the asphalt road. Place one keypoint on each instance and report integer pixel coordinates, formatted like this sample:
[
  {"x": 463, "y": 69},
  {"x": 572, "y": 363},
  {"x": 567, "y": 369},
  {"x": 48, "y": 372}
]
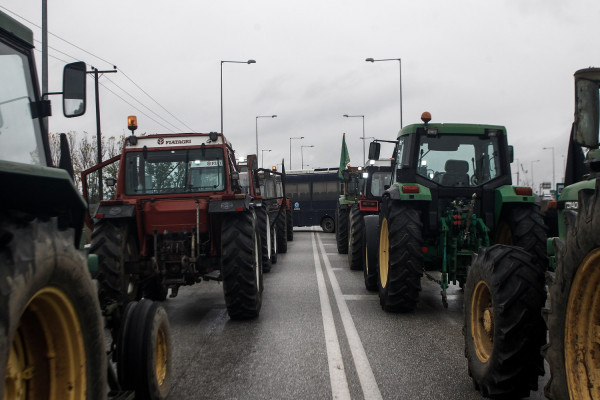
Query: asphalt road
[{"x": 320, "y": 335}]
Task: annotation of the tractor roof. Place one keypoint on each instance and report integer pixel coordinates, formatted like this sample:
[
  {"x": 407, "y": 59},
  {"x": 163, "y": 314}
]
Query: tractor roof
[
  {"x": 14, "y": 27},
  {"x": 453, "y": 129},
  {"x": 171, "y": 140}
]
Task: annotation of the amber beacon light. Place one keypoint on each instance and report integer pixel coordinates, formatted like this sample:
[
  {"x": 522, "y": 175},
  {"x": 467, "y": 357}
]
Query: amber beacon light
[{"x": 132, "y": 123}]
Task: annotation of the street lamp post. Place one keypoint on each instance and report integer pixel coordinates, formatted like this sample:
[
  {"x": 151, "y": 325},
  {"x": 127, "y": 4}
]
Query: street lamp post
[
  {"x": 363, "y": 123},
  {"x": 262, "y": 162},
  {"x": 400, "y": 64},
  {"x": 553, "y": 180},
  {"x": 261, "y": 116},
  {"x": 234, "y": 62},
  {"x": 302, "y": 154},
  {"x": 301, "y": 137},
  {"x": 532, "y": 184}
]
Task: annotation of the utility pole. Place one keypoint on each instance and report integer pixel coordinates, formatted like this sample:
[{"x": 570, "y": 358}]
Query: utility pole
[{"x": 98, "y": 130}]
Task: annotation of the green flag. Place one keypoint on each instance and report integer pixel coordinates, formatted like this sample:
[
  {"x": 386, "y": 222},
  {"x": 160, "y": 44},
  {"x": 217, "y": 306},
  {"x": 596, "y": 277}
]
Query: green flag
[{"x": 344, "y": 157}]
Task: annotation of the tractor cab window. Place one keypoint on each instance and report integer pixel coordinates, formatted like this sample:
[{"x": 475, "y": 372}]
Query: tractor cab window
[
  {"x": 378, "y": 182},
  {"x": 459, "y": 160},
  {"x": 175, "y": 171},
  {"x": 20, "y": 129}
]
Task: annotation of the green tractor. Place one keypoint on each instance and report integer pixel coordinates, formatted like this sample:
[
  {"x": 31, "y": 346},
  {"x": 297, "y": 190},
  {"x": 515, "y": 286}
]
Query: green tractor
[
  {"x": 351, "y": 177},
  {"x": 53, "y": 343},
  {"x": 452, "y": 214},
  {"x": 574, "y": 313}
]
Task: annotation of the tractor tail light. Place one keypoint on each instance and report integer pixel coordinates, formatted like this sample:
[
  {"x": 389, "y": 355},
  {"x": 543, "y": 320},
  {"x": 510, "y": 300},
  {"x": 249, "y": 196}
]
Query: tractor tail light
[
  {"x": 410, "y": 189},
  {"x": 524, "y": 191}
]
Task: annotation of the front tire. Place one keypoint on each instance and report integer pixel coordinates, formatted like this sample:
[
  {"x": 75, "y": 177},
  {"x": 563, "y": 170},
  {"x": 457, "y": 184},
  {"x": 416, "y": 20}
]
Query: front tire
[
  {"x": 341, "y": 231},
  {"x": 355, "y": 238},
  {"x": 49, "y": 306},
  {"x": 504, "y": 330},
  {"x": 241, "y": 267},
  {"x": 575, "y": 305},
  {"x": 371, "y": 248},
  {"x": 144, "y": 351},
  {"x": 400, "y": 257}
]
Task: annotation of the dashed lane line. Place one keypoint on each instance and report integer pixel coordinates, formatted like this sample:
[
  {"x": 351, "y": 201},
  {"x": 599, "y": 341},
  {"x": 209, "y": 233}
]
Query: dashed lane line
[{"x": 337, "y": 373}]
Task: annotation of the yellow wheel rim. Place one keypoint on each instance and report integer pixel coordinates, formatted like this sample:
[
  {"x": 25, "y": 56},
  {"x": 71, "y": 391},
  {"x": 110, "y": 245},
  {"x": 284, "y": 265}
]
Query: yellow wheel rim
[
  {"x": 384, "y": 253},
  {"x": 161, "y": 356},
  {"x": 482, "y": 321},
  {"x": 582, "y": 331},
  {"x": 47, "y": 355}
]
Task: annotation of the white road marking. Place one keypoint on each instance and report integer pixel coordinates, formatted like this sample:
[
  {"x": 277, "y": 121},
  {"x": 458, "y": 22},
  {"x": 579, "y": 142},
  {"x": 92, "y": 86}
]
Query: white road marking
[
  {"x": 361, "y": 296},
  {"x": 361, "y": 362},
  {"x": 337, "y": 373}
]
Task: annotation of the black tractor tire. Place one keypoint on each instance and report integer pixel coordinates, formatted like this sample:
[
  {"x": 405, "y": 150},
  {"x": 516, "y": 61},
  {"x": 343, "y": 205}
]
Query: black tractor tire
[
  {"x": 328, "y": 225},
  {"x": 341, "y": 231},
  {"x": 400, "y": 257},
  {"x": 281, "y": 234},
  {"x": 241, "y": 265},
  {"x": 144, "y": 351},
  {"x": 371, "y": 248},
  {"x": 289, "y": 220},
  {"x": 503, "y": 328},
  {"x": 115, "y": 244},
  {"x": 274, "y": 244},
  {"x": 265, "y": 237},
  {"x": 356, "y": 232},
  {"x": 572, "y": 318},
  {"x": 524, "y": 226},
  {"x": 49, "y": 305}
]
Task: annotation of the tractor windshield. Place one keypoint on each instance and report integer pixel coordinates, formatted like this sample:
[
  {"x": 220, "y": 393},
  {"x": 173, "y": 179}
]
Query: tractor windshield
[
  {"x": 459, "y": 160},
  {"x": 175, "y": 171}
]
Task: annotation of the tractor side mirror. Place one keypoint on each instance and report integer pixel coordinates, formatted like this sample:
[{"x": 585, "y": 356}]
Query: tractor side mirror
[
  {"x": 511, "y": 154},
  {"x": 374, "y": 150},
  {"x": 74, "y": 75},
  {"x": 587, "y": 106}
]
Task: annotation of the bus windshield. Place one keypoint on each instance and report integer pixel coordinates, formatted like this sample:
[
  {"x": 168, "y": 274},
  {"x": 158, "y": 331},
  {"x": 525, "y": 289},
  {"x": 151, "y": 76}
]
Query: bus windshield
[{"x": 175, "y": 171}]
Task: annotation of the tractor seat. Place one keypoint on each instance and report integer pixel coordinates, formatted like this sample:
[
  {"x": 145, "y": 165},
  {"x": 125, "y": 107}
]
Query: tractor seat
[{"x": 457, "y": 173}]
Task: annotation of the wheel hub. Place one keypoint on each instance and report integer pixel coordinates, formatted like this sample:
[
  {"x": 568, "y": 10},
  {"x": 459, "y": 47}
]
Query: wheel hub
[{"x": 488, "y": 322}]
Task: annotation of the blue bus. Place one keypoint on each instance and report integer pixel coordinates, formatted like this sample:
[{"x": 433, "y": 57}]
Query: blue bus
[{"x": 314, "y": 195}]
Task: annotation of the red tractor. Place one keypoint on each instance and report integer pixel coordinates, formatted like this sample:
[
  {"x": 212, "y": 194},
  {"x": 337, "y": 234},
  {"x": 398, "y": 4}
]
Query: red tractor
[{"x": 178, "y": 215}]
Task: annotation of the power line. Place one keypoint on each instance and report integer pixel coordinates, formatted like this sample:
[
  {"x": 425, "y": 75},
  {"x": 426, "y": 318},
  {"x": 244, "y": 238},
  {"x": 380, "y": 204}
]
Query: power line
[
  {"x": 112, "y": 64},
  {"x": 134, "y": 107},
  {"x": 142, "y": 104}
]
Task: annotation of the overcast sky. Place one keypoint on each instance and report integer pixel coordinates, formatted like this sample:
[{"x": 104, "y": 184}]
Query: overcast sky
[{"x": 509, "y": 63}]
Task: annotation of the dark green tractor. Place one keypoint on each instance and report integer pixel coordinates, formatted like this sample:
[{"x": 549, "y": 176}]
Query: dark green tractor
[
  {"x": 453, "y": 215},
  {"x": 573, "y": 315},
  {"x": 351, "y": 178}
]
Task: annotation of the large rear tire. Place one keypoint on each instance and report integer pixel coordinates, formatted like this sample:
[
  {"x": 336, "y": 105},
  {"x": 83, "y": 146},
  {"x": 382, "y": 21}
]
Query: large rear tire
[
  {"x": 355, "y": 238},
  {"x": 371, "y": 248},
  {"x": 575, "y": 305},
  {"x": 241, "y": 267},
  {"x": 341, "y": 228},
  {"x": 115, "y": 247},
  {"x": 524, "y": 226},
  {"x": 144, "y": 351},
  {"x": 49, "y": 306},
  {"x": 504, "y": 329},
  {"x": 400, "y": 257}
]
